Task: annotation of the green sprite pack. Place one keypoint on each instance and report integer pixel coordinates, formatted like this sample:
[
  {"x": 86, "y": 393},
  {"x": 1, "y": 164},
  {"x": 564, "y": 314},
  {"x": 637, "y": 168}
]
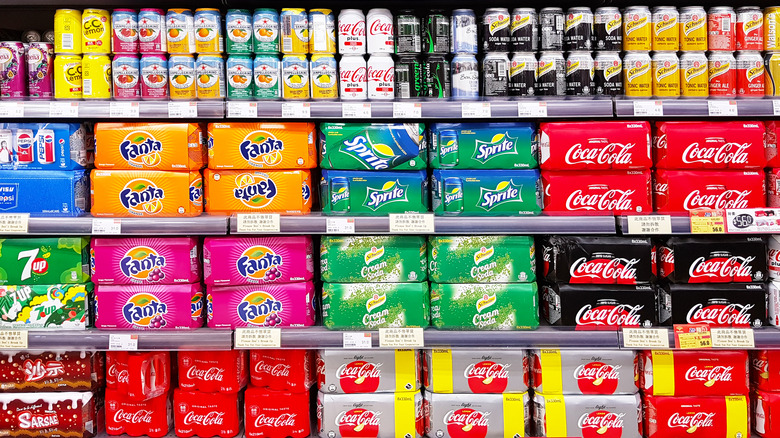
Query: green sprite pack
[
  {"x": 360, "y": 193},
  {"x": 508, "y": 306},
  {"x": 44, "y": 260},
  {"x": 45, "y": 306},
  {"x": 373, "y": 146},
  {"x": 486, "y": 192},
  {"x": 482, "y": 259},
  {"x": 483, "y": 146},
  {"x": 381, "y": 259},
  {"x": 361, "y": 306}
]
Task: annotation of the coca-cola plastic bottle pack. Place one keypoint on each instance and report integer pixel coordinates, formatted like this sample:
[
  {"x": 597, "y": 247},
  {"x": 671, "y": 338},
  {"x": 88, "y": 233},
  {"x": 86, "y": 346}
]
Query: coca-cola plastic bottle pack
[
  {"x": 766, "y": 408},
  {"x": 282, "y": 370},
  {"x": 124, "y": 415},
  {"x": 765, "y": 370},
  {"x": 139, "y": 376}
]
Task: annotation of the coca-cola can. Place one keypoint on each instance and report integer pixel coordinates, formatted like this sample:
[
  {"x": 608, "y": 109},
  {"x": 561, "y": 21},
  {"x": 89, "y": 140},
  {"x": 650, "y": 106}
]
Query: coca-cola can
[
  {"x": 750, "y": 74},
  {"x": 370, "y": 415},
  {"x": 353, "y": 81},
  {"x": 597, "y": 260},
  {"x": 773, "y": 257},
  {"x": 765, "y": 370},
  {"x": 584, "y": 372},
  {"x": 681, "y": 373},
  {"x": 772, "y": 155},
  {"x": 588, "y": 415},
  {"x": 599, "y": 307},
  {"x": 773, "y": 303},
  {"x": 709, "y": 145},
  {"x": 611, "y": 192},
  {"x": 381, "y": 77},
  {"x": 379, "y": 28},
  {"x": 722, "y": 29},
  {"x": 766, "y": 408},
  {"x": 713, "y": 260},
  {"x": 719, "y": 305},
  {"x": 677, "y": 192},
  {"x": 722, "y": 68},
  {"x": 477, "y": 415},
  {"x": 773, "y": 187},
  {"x": 696, "y": 417},
  {"x": 612, "y": 145},
  {"x": 475, "y": 372},
  {"x": 750, "y": 28},
  {"x": 352, "y": 32},
  {"x": 363, "y": 371}
]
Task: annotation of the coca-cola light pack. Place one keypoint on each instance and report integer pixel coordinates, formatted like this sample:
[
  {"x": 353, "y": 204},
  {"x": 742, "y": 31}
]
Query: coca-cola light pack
[
  {"x": 282, "y": 370},
  {"x": 599, "y": 307},
  {"x": 713, "y": 259},
  {"x": 276, "y": 414},
  {"x": 584, "y": 371},
  {"x": 588, "y": 416},
  {"x": 213, "y": 371},
  {"x": 765, "y": 369},
  {"x": 766, "y": 408},
  {"x": 358, "y": 371},
  {"x": 380, "y": 415},
  {"x": 719, "y": 305},
  {"x": 682, "y": 373},
  {"x": 477, "y": 415},
  {"x": 696, "y": 417},
  {"x": 201, "y": 415},
  {"x": 676, "y": 192},
  {"x": 610, "y": 192},
  {"x": 595, "y": 145},
  {"x": 151, "y": 417},
  {"x": 709, "y": 145},
  {"x": 475, "y": 371},
  {"x": 597, "y": 260}
]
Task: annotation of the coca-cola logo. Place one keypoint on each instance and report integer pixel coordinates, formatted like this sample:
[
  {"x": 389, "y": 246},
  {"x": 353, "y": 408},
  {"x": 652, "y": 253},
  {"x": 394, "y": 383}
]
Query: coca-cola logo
[
  {"x": 283, "y": 420},
  {"x": 466, "y": 422},
  {"x": 381, "y": 75},
  {"x": 379, "y": 27},
  {"x": 617, "y": 268},
  {"x": 210, "y": 419},
  {"x": 487, "y": 376},
  {"x": 358, "y": 423},
  {"x": 724, "y": 199},
  {"x": 661, "y": 188},
  {"x": 357, "y": 28},
  {"x": 722, "y": 268},
  {"x": 139, "y": 416},
  {"x": 597, "y": 377},
  {"x": 691, "y": 422},
  {"x": 774, "y": 255},
  {"x": 726, "y": 153},
  {"x": 609, "y": 315},
  {"x": 610, "y": 200},
  {"x": 667, "y": 256},
  {"x": 212, "y": 374},
  {"x": 359, "y": 376},
  {"x": 720, "y": 314},
  {"x": 357, "y": 75},
  {"x": 603, "y": 422},
  {"x": 275, "y": 370},
  {"x": 709, "y": 375},
  {"x": 608, "y": 153}
]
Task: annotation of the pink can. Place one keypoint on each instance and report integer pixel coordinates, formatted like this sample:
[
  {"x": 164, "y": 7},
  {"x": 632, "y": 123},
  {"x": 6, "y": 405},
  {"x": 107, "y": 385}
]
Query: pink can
[
  {"x": 124, "y": 31},
  {"x": 126, "y": 72},
  {"x": 142, "y": 260},
  {"x": 257, "y": 260},
  {"x": 13, "y": 70},
  {"x": 40, "y": 63},
  {"x": 286, "y": 305},
  {"x": 149, "y": 307},
  {"x": 152, "y": 36},
  {"x": 154, "y": 77}
]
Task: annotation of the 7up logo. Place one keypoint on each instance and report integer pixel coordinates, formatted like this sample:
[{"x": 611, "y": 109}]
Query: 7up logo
[
  {"x": 500, "y": 144},
  {"x": 391, "y": 191},
  {"x": 372, "y": 156},
  {"x": 504, "y": 193}
]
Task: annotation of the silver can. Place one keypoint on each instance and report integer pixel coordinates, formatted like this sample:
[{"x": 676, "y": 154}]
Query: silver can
[
  {"x": 495, "y": 74},
  {"x": 522, "y": 74},
  {"x": 346, "y": 371},
  {"x": 773, "y": 257},
  {"x": 381, "y": 414},
  {"x": 579, "y": 74},
  {"x": 608, "y": 73},
  {"x": 476, "y": 372},
  {"x": 465, "y": 77},
  {"x": 608, "y": 29},
  {"x": 524, "y": 30},
  {"x": 551, "y": 23},
  {"x": 578, "y": 34},
  {"x": 463, "y": 27},
  {"x": 551, "y": 74}
]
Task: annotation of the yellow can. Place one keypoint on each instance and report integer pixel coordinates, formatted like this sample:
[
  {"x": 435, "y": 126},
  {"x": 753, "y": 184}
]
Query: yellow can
[
  {"x": 96, "y": 31},
  {"x": 208, "y": 31},
  {"x": 181, "y": 31},
  {"x": 693, "y": 29},
  {"x": 772, "y": 73},
  {"x": 295, "y": 77},
  {"x": 637, "y": 74},
  {"x": 96, "y": 77},
  {"x": 666, "y": 29},
  {"x": 294, "y": 26},
  {"x": 67, "y": 77},
  {"x": 666, "y": 74},
  {"x": 181, "y": 77},
  {"x": 694, "y": 75},
  {"x": 67, "y": 31},
  {"x": 324, "y": 77},
  {"x": 637, "y": 29},
  {"x": 771, "y": 23},
  {"x": 210, "y": 77}
]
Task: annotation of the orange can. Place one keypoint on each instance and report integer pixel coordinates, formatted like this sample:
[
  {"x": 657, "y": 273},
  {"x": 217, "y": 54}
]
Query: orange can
[
  {"x": 262, "y": 146},
  {"x": 155, "y": 146},
  {"x": 254, "y": 191},
  {"x": 133, "y": 193}
]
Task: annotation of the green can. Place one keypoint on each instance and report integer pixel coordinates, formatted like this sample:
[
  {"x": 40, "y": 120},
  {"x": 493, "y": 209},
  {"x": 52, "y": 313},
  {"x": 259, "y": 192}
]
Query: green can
[
  {"x": 44, "y": 260},
  {"x": 380, "y": 259},
  {"x": 482, "y": 259},
  {"x": 45, "y": 306},
  {"x": 370, "y": 306},
  {"x": 373, "y": 146},
  {"x": 507, "y": 306},
  {"x": 359, "y": 193},
  {"x": 483, "y": 146},
  {"x": 486, "y": 192},
  {"x": 265, "y": 29},
  {"x": 238, "y": 26},
  {"x": 240, "y": 83}
]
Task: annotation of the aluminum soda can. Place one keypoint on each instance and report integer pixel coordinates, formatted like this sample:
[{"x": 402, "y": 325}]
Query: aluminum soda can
[
  {"x": 637, "y": 29},
  {"x": 773, "y": 257},
  {"x": 464, "y": 32},
  {"x": 772, "y": 73},
  {"x": 25, "y": 145},
  {"x": 551, "y": 74},
  {"x": 154, "y": 77},
  {"x": 180, "y": 27},
  {"x": 693, "y": 29},
  {"x": 67, "y": 31},
  {"x": 771, "y": 27},
  {"x": 240, "y": 78},
  {"x": 436, "y": 32},
  {"x": 666, "y": 74},
  {"x": 583, "y": 415},
  {"x": 578, "y": 34},
  {"x": 294, "y": 31},
  {"x": 238, "y": 32},
  {"x": 407, "y": 32},
  {"x": 40, "y": 64},
  {"x": 465, "y": 77},
  {"x": 353, "y": 80},
  {"x": 495, "y": 30},
  {"x": 95, "y": 31},
  {"x": 380, "y": 70},
  {"x": 267, "y": 73},
  {"x": 722, "y": 71},
  {"x": 208, "y": 31},
  {"x": 489, "y": 415},
  {"x": 524, "y": 30},
  {"x": 750, "y": 74},
  {"x": 44, "y": 140},
  {"x": 96, "y": 77},
  {"x": 637, "y": 74},
  {"x": 608, "y": 73},
  {"x": 31, "y": 36},
  {"x": 265, "y": 31},
  {"x": 124, "y": 31},
  {"x": 608, "y": 29},
  {"x": 379, "y": 31},
  {"x": 322, "y": 31},
  {"x": 666, "y": 29},
  {"x": 437, "y": 76},
  {"x": 67, "y": 77},
  {"x": 522, "y": 74},
  {"x": 495, "y": 74},
  {"x": 367, "y": 371},
  {"x": 152, "y": 31},
  {"x": 338, "y": 415},
  {"x": 473, "y": 372},
  {"x": 410, "y": 77},
  {"x": 295, "y": 77},
  {"x": 48, "y": 36},
  {"x": 551, "y": 27},
  {"x": 7, "y": 147},
  {"x": 750, "y": 28},
  {"x": 210, "y": 77},
  {"x": 721, "y": 29},
  {"x": 13, "y": 70},
  {"x": 694, "y": 75},
  {"x": 352, "y": 32},
  {"x": 582, "y": 372},
  {"x": 579, "y": 74},
  {"x": 324, "y": 76},
  {"x": 126, "y": 72}
]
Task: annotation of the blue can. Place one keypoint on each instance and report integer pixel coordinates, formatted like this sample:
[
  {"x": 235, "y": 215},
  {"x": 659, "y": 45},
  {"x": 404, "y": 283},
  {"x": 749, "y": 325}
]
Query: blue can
[
  {"x": 464, "y": 31},
  {"x": 465, "y": 77}
]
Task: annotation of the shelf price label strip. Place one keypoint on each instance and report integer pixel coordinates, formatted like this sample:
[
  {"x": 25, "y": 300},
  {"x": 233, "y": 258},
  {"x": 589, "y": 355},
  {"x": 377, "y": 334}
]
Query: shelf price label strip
[
  {"x": 14, "y": 223},
  {"x": 692, "y": 336},
  {"x": 13, "y": 340},
  {"x": 642, "y": 339},
  {"x": 122, "y": 342},
  {"x": 340, "y": 225},
  {"x": 249, "y": 338},
  {"x": 708, "y": 221},
  {"x": 401, "y": 337},
  {"x": 11, "y": 109},
  {"x": 258, "y": 223},
  {"x": 356, "y": 340}
]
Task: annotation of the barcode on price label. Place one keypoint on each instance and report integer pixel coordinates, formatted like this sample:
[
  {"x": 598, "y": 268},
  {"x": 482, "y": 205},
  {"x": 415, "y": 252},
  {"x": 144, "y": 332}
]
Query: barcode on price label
[
  {"x": 296, "y": 110},
  {"x": 650, "y": 108},
  {"x": 356, "y": 340},
  {"x": 121, "y": 342},
  {"x": 475, "y": 109},
  {"x": 182, "y": 109},
  {"x": 722, "y": 108}
]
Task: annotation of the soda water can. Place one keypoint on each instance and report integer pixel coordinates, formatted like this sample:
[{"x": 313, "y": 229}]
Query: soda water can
[
  {"x": 324, "y": 76},
  {"x": 464, "y": 31},
  {"x": 437, "y": 76},
  {"x": 722, "y": 29},
  {"x": 666, "y": 74},
  {"x": 265, "y": 31},
  {"x": 379, "y": 31},
  {"x": 693, "y": 29},
  {"x": 551, "y": 74},
  {"x": 551, "y": 28},
  {"x": 353, "y": 80},
  {"x": 322, "y": 31},
  {"x": 750, "y": 28},
  {"x": 180, "y": 26},
  {"x": 495, "y": 74},
  {"x": 579, "y": 74},
  {"x": 67, "y": 76},
  {"x": 637, "y": 29},
  {"x": 154, "y": 77},
  {"x": 524, "y": 30},
  {"x": 181, "y": 77},
  {"x": 126, "y": 71},
  {"x": 240, "y": 77},
  {"x": 410, "y": 77},
  {"x": 772, "y": 73},
  {"x": 380, "y": 72},
  {"x": 465, "y": 77},
  {"x": 210, "y": 75},
  {"x": 124, "y": 31},
  {"x": 771, "y": 23},
  {"x": 694, "y": 76},
  {"x": 750, "y": 74},
  {"x": 352, "y": 32},
  {"x": 266, "y": 74},
  {"x": 208, "y": 31},
  {"x": 407, "y": 32},
  {"x": 448, "y": 371},
  {"x": 522, "y": 74},
  {"x": 608, "y": 29},
  {"x": 13, "y": 70},
  {"x": 295, "y": 74},
  {"x": 152, "y": 34},
  {"x": 95, "y": 31},
  {"x": 666, "y": 29},
  {"x": 579, "y": 29},
  {"x": 436, "y": 32},
  {"x": 40, "y": 64},
  {"x": 495, "y": 30},
  {"x": 608, "y": 73},
  {"x": 637, "y": 74},
  {"x": 96, "y": 77},
  {"x": 67, "y": 31},
  {"x": 238, "y": 32},
  {"x": 294, "y": 31}
]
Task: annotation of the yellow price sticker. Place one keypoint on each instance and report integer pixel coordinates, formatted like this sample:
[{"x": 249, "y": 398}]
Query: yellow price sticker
[
  {"x": 690, "y": 336},
  {"x": 708, "y": 221}
]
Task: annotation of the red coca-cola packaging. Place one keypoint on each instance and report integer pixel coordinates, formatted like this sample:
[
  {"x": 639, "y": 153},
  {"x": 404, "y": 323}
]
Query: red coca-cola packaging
[
  {"x": 719, "y": 305},
  {"x": 594, "y": 145},
  {"x": 765, "y": 369},
  {"x": 276, "y": 414},
  {"x": 584, "y": 372},
  {"x": 48, "y": 415},
  {"x": 683, "y": 373},
  {"x": 282, "y": 370},
  {"x": 696, "y": 417},
  {"x": 22, "y": 371},
  {"x": 772, "y": 154},
  {"x": 709, "y": 145},
  {"x": 205, "y": 415},
  {"x": 713, "y": 259},
  {"x": 212, "y": 371},
  {"x": 773, "y": 187},
  {"x": 597, "y": 260},
  {"x": 766, "y": 409},
  {"x": 140, "y": 376},
  {"x": 597, "y": 307},
  {"x": 611, "y": 192},
  {"x": 137, "y": 418},
  {"x": 676, "y": 192}
]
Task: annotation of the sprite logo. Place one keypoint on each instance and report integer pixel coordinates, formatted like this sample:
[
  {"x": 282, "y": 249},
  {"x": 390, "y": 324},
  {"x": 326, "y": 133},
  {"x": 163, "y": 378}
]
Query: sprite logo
[
  {"x": 339, "y": 195},
  {"x": 372, "y": 156},
  {"x": 504, "y": 193},
  {"x": 485, "y": 302},
  {"x": 374, "y": 253},
  {"x": 391, "y": 191},
  {"x": 451, "y": 147},
  {"x": 483, "y": 254},
  {"x": 500, "y": 144},
  {"x": 455, "y": 194},
  {"x": 375, "y": 301}
]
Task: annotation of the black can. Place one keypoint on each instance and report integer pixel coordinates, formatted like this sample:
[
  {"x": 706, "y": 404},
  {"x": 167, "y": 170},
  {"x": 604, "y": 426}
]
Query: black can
[
  {"x": 408, "y": 37},
  {"x": 608, "y": 73},
  {"x": 495, "y": 74},
  {"x": 579, "y": 74},
  {"x": 522, "y": 73},
  {"x": 495, "y": 30},
  {"x": 608, "y": 29},
  {"x": 579, "y": 29},
  {"x": 524, "y": 30},
  {"x": 410, "y": 78},
  {"x": 551, "y": 25},
  {"x": 436, "y": 32},
  {"x": 551, "y": 74},
  {"x": 437, "y": 76}
]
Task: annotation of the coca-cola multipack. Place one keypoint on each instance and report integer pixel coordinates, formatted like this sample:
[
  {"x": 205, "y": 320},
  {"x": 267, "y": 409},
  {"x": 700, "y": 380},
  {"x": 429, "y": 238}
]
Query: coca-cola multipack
[
  {"x": 773, "y": 303},
  {"x": 609, "y": 192},
  {"x": 597, "y": 260},
  {"x": 765, "y": 370},
  {"x": 594, "y": 146},
  {"x": 765, "y": 399},
  {"x": 139, "y": 376},
  {"x": 696, "y": 416},
  {"x": 765, "y": 408},
  {"x": 676, "y": 192},
  {"x": 360, "y": 371},
  {"x": 370, "y": 415},
  {"x": 137, "y": 418},
  {"x": 688, "y": 373},
  {"x": 773, "y": 188},
  {"x": 477, "y": 415},
  {"x": 599, "y": 307},
  {"x": 719, "y": 305},
  {"x": 772, "y": 153},
  {"x": 584, "y": 372},
  {"x": 48, "y": 414},
  {"x": 475, "y": 372},
  {"x": 588, "y": 416},
  {"x": 213, "y": 371},
  {"x": 203, "y": 415},
  {"x": 282, "y": 370},
  {"x": 709, "y": 145},
  {"x": 22, "y": 371},
  {"x": 713, "y": 260}
]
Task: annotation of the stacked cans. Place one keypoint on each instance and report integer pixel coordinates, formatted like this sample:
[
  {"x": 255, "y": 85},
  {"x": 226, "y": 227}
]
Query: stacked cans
[
  {"x": 421, "y": 69},
  {"x": 360, "y": 34}
]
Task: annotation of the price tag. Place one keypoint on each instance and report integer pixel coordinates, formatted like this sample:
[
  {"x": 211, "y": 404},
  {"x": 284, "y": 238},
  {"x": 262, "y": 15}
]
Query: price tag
[
  {"x": 407, "y": 110},
  {"x": 776, "y": 107},
  {"x": 421, "y": 223},
  {"x": 531, "y": 109},
  {"x": 13, "y": 339},
  {"x": 648, "y": 108},
  {"x": 356, "y": 110},
  {"x": 122, "y": 342},
  {"x": 722, "y": 108},
  {"x": 472, "y": 110},
  {"x": 64, "y": 109},
  {"x": 13, "y": 223},
  {"x": 242, "y": 110},
  {"x": 249, "y": 338},
  {"x": 737, "y": 338},
  {"x": 179, "y": 110},
  {"x": 357, "y": 339},
  {"x": 707, "y": 221},
  {"x": 753, "y": 220},
  {"x": 258, "y": 223},
  {"x": 688, "y": 336},
  {"x": 11, "y": 109},
  {"x": 106, "y": 226},
  {"x": 123, "y": 109},
  {"x": 651, "y": 224},
  {"x": 639, "y": 338},
  {"x": 340, "y": 225},
  {"x": 296, "y": 110},
  {"x": 401, "y": 337}
]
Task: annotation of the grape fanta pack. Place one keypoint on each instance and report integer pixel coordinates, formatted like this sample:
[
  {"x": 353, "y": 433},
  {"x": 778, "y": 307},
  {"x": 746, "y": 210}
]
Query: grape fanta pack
[
  {"x": 373, "y": 146},
  {"x": 483, "y": 146},
  {"x": 373, "y": 193},
  {"x": 486, "y": 193}
]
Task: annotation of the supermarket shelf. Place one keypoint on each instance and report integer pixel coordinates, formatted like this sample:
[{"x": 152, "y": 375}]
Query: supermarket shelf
[
  {"x": 168, "y": 226},
  {"x": 93, "y": 339},
  {"x": 680, "y": 224},
  {"x": 691, "y": 107},
  {"x": 109, "y": 109},
  {"x": 765, "y": 338}
]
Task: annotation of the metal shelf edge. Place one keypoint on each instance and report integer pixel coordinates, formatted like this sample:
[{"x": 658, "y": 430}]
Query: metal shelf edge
[{"x": 93, "y": 339}]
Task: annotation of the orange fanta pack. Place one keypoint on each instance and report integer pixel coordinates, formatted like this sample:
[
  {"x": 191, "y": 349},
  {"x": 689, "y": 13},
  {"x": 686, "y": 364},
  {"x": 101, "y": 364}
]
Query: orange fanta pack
[
  {"x": 254, "y": 191},
  {"x": 153, "y": 146},
  {"x": 132, "y": 193},
  {"x": 262, "y": 146}
]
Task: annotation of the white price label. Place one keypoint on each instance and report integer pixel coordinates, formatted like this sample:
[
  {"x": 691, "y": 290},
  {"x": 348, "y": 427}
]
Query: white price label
[
  {"x": 106, "y": 226},
  {"x": 296, "y": 110},
  {"x": 123, "y": 109},
  {"x": 411, "y": 223},
  {"x": 117, "y": 342},
  {"x": 356, "y": 110},
  {"x": 660, "y": 224},
  {"x": 722, "y": 108},
  {"x": 340, "y": 225},
  {"x": 472, "y": 110},
  {"x": 64, "y": 109},
  {"x": 401, "y": 337},
  {"x": 249, "y": 338},
  {"x": 737, "y": 338},
  {"x": 179, "y": 110},
  {"x": 258, "y": 223},
  {"x": 13, "y": 339},
  {"x": 11, "y": 109},
  {"x": 639, "y": 338},
  {"x": 407, "y": 110},
  {"x": 776, "y": 107},
  {"x": 356, "y": 339},
  {"x": 531, "y": 109},
  {"x": 648, "y": 108},
  {"x": 242, "y": 110},
  {"x": 13, "y": 223},
  {"x": 752, "y": 220}
]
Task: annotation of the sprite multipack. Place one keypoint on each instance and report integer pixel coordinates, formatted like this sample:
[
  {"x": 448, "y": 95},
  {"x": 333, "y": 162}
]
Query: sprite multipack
[
  {"x": 481, "y": 259},
  {"x": 382, "y": 259},
  {"x": 483, "y": 146},
  {"x": 44, "y": 260},
  {"x": 373, "y": 146},
  {"x": 370, "y": 306},
  {"x": 486, "y": 192},
  {"x": 504, "y": 306},
  {"x": 361, "y": 193},
  {"x": 45, "y": 306}
]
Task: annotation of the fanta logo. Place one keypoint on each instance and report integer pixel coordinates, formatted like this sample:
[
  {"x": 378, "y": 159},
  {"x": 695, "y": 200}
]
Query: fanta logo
[
  {"x": 141, "y": 196},
  {"x": 261, "y": 149},
  {"x": 259, "y": 263},
  {"x": 196, "y": 305},
  {"x": 456, "y": 194},
  {"x": 485, "y": 302},
  {"x": 255, "y": 191},
  {"x": 209, "y": 306},
  {"x": 143, "y": 310},
  {"x": 505, "y": 192},
  {"x": 372, "y": 156},
  {"x": 500, "y": 144},
  {"x": 305, "y": 192},
  {"x": 375, "y": 301},
  {"x": 374, "y": 254},
  {"x": 141, "y": 149},
  {"x": 139, "y": 262},
  {"x": 483, "y": 254},
  {"x": 196, "y": 191},
  {"x": 260, "y": 308},
  {"x": 391, "y": 191}
]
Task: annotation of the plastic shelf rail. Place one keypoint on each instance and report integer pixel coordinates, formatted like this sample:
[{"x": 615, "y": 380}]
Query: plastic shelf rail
[
  {"x": 692, "y": 107},
  {"x": 93, "y": 339},
  {"x": 101, "y": 109},
  {"x": 144, "y": 226},
  {"x": 680, "y": 224}
]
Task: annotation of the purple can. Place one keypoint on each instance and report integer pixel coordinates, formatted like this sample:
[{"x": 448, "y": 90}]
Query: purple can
[
  {"x": 40, "y": 63},
  {"x": 154, "y": 77},
  {"x": 13, "y": 70},
  {"x": 126, "y": 71}
]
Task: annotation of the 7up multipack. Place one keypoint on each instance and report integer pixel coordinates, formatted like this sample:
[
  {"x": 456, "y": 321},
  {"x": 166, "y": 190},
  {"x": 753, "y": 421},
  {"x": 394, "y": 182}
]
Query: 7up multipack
[
  {"x": 483, "y": 146},
  {"x": 380, "y": 259},
  {"x": 486, "y": 192},
  {"x": 373, "y": 146}
]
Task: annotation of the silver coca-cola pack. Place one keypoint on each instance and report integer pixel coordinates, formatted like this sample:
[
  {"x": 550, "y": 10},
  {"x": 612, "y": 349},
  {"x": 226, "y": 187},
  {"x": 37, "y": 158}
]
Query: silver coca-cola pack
[
  {"x": 475, "y": 371},
  {"x": 584, "y": 372},
  {"x": 477, "y": 415},
  {"x": 588, "y": 415},
  {"x": 381, "y": 415},
  {"x": 364, "y": 371}
]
